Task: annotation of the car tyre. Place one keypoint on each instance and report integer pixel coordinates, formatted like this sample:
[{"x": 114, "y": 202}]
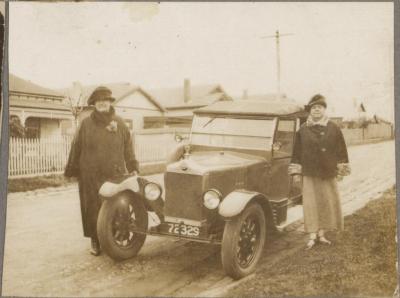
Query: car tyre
[
  {"x": 243, "y": 241},
  {"x": 117, "y": 218}
]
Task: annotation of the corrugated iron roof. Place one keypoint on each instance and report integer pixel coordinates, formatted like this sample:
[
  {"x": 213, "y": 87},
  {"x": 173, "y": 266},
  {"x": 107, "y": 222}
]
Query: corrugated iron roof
[
  {"x": 17, "y": 84},
  {"x": 144, "y": 93},
  {"x": 265, "y": 96},
  {"x": 117, "y": 89},
  {"x": 204, "y": 101},
  {"x": 164, "y": 98},
  {"x": 174, "y": 97}
]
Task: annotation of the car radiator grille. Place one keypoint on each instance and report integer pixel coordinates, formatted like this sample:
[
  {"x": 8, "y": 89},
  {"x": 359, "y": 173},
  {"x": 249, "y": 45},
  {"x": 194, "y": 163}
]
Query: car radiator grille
[{"x": 183, "y": 196}]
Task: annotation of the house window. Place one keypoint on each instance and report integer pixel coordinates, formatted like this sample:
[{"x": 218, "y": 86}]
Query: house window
[
  {"x": 32, "y": 128},
  {"x": 153, "y": 122}
]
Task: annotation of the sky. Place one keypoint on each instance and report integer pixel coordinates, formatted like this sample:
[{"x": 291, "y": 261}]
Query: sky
[{"x": 341, "y": 50}]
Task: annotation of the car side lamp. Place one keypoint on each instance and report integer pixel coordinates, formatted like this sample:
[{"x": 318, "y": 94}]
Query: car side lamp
[{"x": 179, "y": 138}]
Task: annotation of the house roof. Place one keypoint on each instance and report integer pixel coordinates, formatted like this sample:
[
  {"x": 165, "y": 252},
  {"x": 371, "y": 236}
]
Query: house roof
[
  {"x": 174, "y": 97},
  {"x": 198, "y": 103},
  {"x": 145, "y": 93},
  {"x": 254, "y": 108},
  {"x": 379, "y": 120},
  {"x": 19, "y": 85},
  {"x": 117, "y": 89},
  {"x": 266, "y": 96},
  {"x": 164, "y": 98}
]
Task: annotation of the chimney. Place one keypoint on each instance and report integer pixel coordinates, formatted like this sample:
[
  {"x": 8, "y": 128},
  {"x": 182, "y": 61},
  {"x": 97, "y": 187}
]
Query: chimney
[{"x": 186, "y": 90}]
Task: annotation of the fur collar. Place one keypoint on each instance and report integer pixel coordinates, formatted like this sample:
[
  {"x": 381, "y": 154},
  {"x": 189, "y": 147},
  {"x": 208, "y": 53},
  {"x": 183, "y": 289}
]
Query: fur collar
[{"x": 323, "y": 121}]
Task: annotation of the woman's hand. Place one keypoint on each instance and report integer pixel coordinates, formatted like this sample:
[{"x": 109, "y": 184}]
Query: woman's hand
[
  {"x": 294, "y": 169},
  {"x": 339, "y": 178},
  {"x": 296, "y": 178},
  {"x": 343, "y": 169}
]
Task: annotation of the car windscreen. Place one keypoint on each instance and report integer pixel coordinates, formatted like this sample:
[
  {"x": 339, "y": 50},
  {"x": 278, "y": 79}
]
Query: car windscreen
[{"x": 232, "y": 132}]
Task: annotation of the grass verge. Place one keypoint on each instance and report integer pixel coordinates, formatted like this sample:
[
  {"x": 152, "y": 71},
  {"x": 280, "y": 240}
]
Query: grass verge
[
  {"x": 34, "y": 183},
  {"x": 361, "y": 262},
  {"x": 27, "y": 184}
]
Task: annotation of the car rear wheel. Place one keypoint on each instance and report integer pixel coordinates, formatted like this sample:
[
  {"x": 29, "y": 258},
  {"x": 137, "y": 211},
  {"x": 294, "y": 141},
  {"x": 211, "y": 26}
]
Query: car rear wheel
[
  {"x": 121, "y": 226},
  {"x": 243, "y": 241}
]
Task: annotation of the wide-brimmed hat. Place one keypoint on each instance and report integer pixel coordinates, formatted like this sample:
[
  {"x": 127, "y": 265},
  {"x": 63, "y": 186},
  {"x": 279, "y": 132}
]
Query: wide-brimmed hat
[
  {"x": 317, "y": 99},
  {"x": 100, "y": 93}
]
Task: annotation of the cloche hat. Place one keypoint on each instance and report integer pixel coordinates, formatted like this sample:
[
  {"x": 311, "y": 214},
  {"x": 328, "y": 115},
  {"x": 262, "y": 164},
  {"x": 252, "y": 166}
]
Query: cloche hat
[
  {"x": 100, "y": 93},
  {"x": 317, "y": 99}
]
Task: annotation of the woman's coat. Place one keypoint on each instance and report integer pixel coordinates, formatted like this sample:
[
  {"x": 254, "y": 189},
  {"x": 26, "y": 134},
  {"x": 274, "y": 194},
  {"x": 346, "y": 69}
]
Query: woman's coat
[
  {"x": 102, "y": 149},
  {"x": 319, "y": 149}
]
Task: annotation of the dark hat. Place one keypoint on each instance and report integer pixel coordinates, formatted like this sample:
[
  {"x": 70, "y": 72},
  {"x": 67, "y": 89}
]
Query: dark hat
[
  {"x": 100, "y": 93},
  {"x": 317, "y": 99}
]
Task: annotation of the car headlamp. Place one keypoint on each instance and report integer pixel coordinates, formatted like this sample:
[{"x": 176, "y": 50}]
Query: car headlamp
[
  {"x": 212, "y": 198},
  {"x": 152, "y": 191}
]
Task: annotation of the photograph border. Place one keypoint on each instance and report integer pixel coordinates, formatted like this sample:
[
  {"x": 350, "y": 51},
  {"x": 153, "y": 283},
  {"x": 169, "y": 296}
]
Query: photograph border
[{"x": 4, "y": 116}]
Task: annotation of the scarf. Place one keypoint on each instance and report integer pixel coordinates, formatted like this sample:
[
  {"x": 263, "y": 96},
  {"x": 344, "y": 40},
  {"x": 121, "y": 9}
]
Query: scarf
[
  {"x": 105, "y": 119},
  {"x": 323, "y": 121}
]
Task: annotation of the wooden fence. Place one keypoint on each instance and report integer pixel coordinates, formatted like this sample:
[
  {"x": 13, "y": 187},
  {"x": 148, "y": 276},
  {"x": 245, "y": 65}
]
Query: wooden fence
[
  {"x": 154, "y": 145},
  {"x": 34, "y": 157},
  {"x": 370, "y": 133}
]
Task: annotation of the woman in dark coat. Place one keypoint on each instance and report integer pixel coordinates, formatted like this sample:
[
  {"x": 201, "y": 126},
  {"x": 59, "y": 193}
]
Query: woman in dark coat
[
  {"x": 320, "y": 155},
  {"x": 102, "y": 148}
]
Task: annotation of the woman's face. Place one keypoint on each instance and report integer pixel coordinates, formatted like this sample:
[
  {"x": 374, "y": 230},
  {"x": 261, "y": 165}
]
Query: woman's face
[
  {"x": 317, "y": 111},
  {"x": 102, "y": 105}
]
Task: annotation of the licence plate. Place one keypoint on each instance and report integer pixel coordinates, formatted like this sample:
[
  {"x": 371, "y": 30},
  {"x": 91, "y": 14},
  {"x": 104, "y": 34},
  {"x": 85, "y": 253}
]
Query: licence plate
[{"x": 183, "y": 229}]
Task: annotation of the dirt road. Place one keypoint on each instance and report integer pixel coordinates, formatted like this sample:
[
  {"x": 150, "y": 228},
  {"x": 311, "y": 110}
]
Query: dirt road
[{"x": 46, "y": 255}]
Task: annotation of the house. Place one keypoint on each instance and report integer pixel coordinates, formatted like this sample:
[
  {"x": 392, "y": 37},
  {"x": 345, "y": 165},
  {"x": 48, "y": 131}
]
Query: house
[
  {"x": 136, "y": 105},
  {"x": 168, "y": 107},
  {"x": 132, "y": 103},
  {"x": 179, "y": 103},
  {"x": 42, "y": 112}
]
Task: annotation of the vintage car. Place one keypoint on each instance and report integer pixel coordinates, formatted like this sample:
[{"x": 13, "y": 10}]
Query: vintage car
[{"x": 228, "y": 185}]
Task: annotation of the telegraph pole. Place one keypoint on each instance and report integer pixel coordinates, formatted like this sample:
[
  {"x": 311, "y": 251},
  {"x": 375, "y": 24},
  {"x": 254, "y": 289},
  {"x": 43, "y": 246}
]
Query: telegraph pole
[{"x": 278, "y": 58}]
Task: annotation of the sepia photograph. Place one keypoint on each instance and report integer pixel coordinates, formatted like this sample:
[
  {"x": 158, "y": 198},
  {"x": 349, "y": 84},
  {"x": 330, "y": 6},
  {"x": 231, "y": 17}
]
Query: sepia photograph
[{"x": 200, "y": 149}]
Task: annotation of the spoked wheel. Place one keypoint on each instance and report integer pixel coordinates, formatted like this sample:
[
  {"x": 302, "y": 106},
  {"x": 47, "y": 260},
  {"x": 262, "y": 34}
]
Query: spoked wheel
[
  {"x": 243, "y": 242},
  {"x": 121, "y": 226}
]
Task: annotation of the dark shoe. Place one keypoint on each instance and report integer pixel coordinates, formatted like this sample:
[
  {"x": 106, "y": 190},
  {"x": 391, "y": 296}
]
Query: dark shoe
[{"x": 96, "y": 251}]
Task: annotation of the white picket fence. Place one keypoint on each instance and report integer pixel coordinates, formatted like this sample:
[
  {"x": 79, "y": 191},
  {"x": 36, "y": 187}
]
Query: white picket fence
[
  {"x": 33, "y": 157},
  {"x": 154, "y": 145}
]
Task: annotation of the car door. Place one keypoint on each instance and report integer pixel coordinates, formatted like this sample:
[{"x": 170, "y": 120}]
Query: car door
[{"x": 282, "y": 148}]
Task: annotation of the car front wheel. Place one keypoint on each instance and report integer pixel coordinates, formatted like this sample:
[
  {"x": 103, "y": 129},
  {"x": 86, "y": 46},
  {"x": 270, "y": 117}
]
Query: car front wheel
[
  {"x": 121, "y": 226},
  {"x": 243, "y": 241}
]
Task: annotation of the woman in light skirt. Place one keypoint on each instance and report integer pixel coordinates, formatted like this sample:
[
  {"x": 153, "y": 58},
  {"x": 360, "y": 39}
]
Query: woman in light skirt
[{"x": 320, "y": 156}]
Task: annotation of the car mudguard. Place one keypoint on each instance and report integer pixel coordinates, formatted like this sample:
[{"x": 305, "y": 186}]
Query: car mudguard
[
  {"x": 110, "y": 189},
  {"x": 235, "y": 202},
  {"x": 134, "y": 184}
]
